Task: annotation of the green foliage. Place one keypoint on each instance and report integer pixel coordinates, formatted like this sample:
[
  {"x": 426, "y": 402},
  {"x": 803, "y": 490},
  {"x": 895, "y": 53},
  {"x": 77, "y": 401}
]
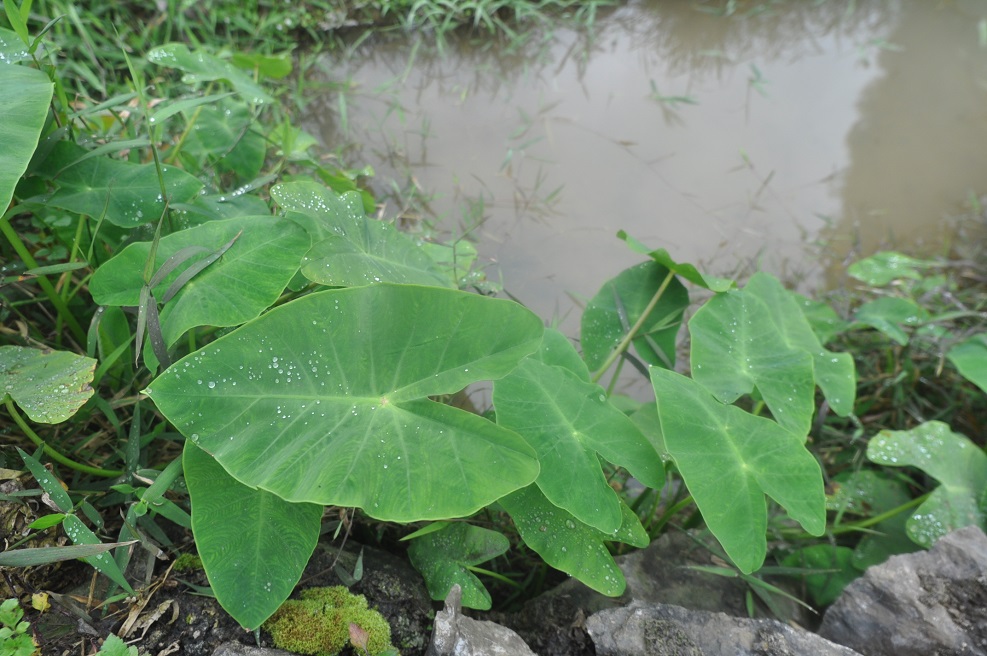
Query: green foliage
[
  {"x": 319, "y": 623},
  {"x": 115, "y": 646},
  {"x": 298, "y": 354},
  {"x": 14, "y": 637}
]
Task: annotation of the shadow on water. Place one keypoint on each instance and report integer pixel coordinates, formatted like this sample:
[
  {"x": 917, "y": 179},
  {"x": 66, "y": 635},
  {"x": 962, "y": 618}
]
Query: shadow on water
[{"x": 733, "y": 141}]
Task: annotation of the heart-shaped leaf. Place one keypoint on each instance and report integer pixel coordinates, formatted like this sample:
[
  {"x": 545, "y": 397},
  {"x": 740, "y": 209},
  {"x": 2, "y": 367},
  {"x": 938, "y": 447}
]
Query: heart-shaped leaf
[
  {"x": 254, "y": 545},
  {"x": 970, "y": 358},
  {"x": 350, "y": 249},
  {"x": 730, "y": 460},
  {"x": 200, "y": 66},
  {"x": 237, "y": 287},
  {"x": 622, "y": 302},
  {"x": 953, "y": 460},
  {"x": 323, "y": 400},
  {"x": 569, "y": 545},
  {"x": 737, "y": 345},
  {"x": 444, "y": 557},
  {"x": 50, "y": 386},
  {"x": 129, "y": 194},
  {"x": 24, "y": 106},
  {"x": 221, "y": 137},
  {"x": 834, "y": 372},
  {"x": 882, "y": 268},
  {"x": 568, "y": 422}
]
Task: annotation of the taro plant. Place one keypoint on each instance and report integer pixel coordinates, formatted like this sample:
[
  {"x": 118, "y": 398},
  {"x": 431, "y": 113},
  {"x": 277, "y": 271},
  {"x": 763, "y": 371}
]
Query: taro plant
[{"x": 300, "y": 349}]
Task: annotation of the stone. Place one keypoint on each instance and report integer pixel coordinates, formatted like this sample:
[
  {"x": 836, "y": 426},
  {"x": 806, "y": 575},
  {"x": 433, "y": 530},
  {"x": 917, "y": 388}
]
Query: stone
[
  {"x": 931, "y": 602},
  {"x": 666, "y": 630},
  {"x": 458, "y": 635},
  {"x": 237, "y": 649}
]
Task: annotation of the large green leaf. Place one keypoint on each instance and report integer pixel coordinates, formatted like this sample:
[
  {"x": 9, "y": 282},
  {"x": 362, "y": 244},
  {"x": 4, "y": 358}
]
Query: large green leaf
[
  {"x": 323, "y": 400},
  {"x": 568, "y": 422},
  {"x": 50, "y": 386},
  {"x": 254, "y": 545},
  {"x": 834, "y": 372},
  {"x": 350, "y": 249},
  {"x": 200, "y": 66},
  {"x": 12, "y": 48},
  {"x": 237, "y": 287},
  {"x": 621, "y": 302},
  {"x": 444, "y": 558},
  {"x": 569, "y": 545},
  {"x": 958, "y": 464},
  {"x": 738, "y": 344},
  {"x": 23, "y": 106},
  {"x": 730, "y": 460},
  {"x": 970, "y": 358},
  {"x": 129, "y": 194}
]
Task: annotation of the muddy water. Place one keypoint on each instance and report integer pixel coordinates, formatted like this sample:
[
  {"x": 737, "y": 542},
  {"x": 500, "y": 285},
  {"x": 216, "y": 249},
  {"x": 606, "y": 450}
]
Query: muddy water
[{"x": 733, "y": 142}]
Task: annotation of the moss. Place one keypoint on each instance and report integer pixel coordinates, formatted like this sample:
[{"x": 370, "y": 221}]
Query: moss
[
  {"x": 319, "y": 623},
  {"x": 187, "y": 562}
]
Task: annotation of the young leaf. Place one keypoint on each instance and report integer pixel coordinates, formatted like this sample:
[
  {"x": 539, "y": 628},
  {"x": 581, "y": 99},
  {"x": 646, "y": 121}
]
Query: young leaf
[
  {"x": 254, "y": 545},
  {"x": 681, "y": 269},
  {"x": 201, "y": 66},
  {"x": 621, "y": 303},
  {"x": 350, "y": 249},
  {"x": 244, "y": 282},
  {"x": 970, "y": 358},
  {"x": 568, "y": 422},
  {"x": 323, "y": 399},
  {"x": 444, "y": 558},
  {"x": 882, "y": 268},
  {"x": 888, "y": 314},
  {"x": 737, "y": 345},
  {"x": 569, "y": 545},
  {"x": 730, "y": 460},
  {"x": 953, "y": 460},
  {"x": 50, "y": 386},
  {"x": 24, "y": 106}
]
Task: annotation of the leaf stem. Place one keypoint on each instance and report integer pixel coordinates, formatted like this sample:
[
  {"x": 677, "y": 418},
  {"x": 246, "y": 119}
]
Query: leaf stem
[
  {"x": 52, "y": 453},
  {"x": 632, "y": 333}
]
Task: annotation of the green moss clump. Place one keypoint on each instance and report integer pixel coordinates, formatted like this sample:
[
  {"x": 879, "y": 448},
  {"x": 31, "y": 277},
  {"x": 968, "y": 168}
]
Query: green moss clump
[
  {"x": 319, "y": 623},
  {"x": 187, "y": 562}
]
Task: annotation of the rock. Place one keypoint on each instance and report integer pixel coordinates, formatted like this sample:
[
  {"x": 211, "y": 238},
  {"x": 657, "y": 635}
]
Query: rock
[
  {"x": 458, "y": 635},
  {"x": 932, "y": 602},
  {"x": 553, "y": 623},
  {"x": 237, "y": 649},
  {"x": 666, "y": 630}
]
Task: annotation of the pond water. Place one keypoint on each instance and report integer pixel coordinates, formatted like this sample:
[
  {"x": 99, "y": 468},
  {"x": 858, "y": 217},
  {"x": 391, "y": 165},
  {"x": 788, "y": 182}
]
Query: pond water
[{"x": 734, "y": 142}]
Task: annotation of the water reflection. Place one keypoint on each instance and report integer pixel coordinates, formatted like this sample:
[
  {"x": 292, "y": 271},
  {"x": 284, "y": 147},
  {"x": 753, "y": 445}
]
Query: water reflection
[{"x": 725, "y": 140}]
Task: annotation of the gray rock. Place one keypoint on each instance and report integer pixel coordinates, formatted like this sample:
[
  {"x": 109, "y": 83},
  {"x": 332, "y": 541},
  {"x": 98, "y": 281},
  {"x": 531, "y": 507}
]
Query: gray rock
[
  {"x": 458, "y": 635},
  {"x": 237, "y": 649},
  {"x": 932, "y": 602},
  {"x": 666, "y": 630}
]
